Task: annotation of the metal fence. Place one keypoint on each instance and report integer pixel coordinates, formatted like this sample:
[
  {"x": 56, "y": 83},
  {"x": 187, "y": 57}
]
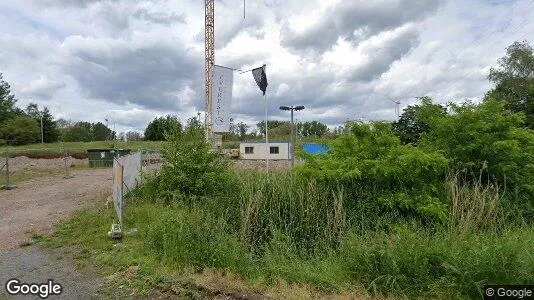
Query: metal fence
[{"x": 64, "y": 160}]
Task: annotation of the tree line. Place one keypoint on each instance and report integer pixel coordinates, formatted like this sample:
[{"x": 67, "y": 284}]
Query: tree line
[
  {"x": 513, "y": 78},
  {"x": 33, "y": 124}
]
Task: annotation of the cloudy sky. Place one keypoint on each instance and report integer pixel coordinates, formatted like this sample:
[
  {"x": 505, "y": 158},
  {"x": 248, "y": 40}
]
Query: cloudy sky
[{"x": 129, "y": 60}]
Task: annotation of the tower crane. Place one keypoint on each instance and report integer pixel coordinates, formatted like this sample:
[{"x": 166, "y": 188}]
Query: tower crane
[{"x": 209, "y": 50}]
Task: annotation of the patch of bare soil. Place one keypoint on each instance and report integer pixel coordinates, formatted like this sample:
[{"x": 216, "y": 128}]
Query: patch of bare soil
[
  {"x": 35, "y": 206},
  {"x": 22, "y": 162}
]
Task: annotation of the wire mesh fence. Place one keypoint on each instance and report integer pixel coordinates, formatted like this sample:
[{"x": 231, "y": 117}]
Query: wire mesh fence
[{"x": 28, "y": 164}]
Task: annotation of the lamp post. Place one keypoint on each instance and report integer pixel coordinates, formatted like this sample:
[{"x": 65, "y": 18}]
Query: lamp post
[
  {"x": 42, "y": 132},
  {"x": 292, "y": 108}
]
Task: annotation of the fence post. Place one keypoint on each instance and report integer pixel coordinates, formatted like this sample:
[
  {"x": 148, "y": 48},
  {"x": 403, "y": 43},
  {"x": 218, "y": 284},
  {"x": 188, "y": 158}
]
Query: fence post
[
  {"x": 8, "y": 185},
  {"x": 65, "y": 158}
]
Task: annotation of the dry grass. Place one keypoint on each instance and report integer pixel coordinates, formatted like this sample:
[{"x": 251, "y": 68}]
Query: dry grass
[{"x": 473, "y": 207}]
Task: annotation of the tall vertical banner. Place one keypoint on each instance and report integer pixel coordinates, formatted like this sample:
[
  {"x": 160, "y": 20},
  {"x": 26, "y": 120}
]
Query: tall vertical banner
[{"x": 222, "y": 84}]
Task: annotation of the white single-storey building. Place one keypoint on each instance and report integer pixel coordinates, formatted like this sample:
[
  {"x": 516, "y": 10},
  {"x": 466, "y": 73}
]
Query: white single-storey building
[{"x": 258, "y": 150}]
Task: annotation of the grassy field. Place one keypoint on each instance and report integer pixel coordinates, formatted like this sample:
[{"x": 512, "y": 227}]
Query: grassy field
[{"x": 78, "y": 147}]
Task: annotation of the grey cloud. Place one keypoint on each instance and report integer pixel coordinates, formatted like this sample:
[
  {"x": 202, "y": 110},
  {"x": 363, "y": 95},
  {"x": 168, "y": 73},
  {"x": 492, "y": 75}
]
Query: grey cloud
[
  {"x": 79, "y": 3},
  {"x": 381, "y": 58},
  {"x": 159, "y": 17},
  {"x": 226, "y": 29},
  {"x": 355, "y": 21},
  {"x": 150, "y": 75}
]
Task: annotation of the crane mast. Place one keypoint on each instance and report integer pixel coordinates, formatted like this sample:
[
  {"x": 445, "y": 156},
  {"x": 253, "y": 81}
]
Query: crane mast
[{"x": 209, "y": 50}]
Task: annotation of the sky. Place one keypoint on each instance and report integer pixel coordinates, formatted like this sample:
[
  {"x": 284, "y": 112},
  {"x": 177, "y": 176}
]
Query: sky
[{"x": 129, "y": 61}]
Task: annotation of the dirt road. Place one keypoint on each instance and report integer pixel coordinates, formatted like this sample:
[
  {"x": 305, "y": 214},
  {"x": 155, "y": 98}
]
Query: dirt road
[{"x": 34, "y": 207}]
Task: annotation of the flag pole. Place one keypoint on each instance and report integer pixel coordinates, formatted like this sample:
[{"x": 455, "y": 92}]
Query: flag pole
[{"x": 267, "y": 150}]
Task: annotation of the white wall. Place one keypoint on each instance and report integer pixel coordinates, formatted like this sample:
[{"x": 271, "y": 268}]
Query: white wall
[{"x": 261, "y": 151}]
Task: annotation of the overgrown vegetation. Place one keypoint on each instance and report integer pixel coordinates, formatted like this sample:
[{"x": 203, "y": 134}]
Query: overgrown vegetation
[
  {"x": 435, "y": 207},
  {"x": 374, "y": 213}
]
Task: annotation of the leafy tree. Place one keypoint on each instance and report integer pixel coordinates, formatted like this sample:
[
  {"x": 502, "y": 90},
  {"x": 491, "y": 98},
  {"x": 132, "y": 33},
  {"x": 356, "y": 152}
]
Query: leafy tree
[
  {"x": 413, "y": 123},
  {"x": 32, "y": 110},
  {"x": 63, "y": 124},
  {"x": 50, "y": 129},
  {"x": 191, "y": 168},
  {"x": 514, "y": 80},
  {"x": 283, "y": 130},
  {"x": 79, "y": 132},
  {"x": 242, "y": 129},
  {"x": 7, "y": 102},
  {"x": 370, "y": 160},
  {"x": 85, "y": 131},
  {"x": 487, "y": 140},
  {"x": 313, "y": 128},
  {"x": 100, "y": 132},
  {"x": 157, "y": 129},
  {"x": 20, "y": 130},
  {"x": 133, "y": 136},
  {"x": 271, "y": 125}
]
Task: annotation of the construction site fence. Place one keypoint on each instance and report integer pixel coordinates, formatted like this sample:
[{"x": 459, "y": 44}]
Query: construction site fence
[{"x": 150, "y": 160}]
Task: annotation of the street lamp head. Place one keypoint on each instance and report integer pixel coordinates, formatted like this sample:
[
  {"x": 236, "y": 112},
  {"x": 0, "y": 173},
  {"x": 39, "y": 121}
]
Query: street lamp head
[
  {"x": 299, "y": 107},
  {"x": 283, "y": 107}
]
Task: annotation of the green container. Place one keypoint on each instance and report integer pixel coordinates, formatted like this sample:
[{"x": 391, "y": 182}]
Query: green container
[{"x": 104, "y": 157}]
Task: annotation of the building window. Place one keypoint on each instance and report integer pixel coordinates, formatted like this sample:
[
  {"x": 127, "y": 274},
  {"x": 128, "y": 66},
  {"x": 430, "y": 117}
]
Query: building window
[
  {"x": 274, "y": 150},
  {"x": 249, "y": 150}
]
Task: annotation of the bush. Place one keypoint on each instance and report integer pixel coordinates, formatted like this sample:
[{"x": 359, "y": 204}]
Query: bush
[
  {"x": 20, "y": 130},
  {"x": 374, "y": 167},
  {"x": 489, "y": 138},
  {"x": 191, "y": 168}
]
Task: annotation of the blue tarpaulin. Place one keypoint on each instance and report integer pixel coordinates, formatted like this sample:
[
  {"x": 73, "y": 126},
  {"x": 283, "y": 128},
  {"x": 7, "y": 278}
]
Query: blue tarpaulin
[{"x": 312, "y": 148}]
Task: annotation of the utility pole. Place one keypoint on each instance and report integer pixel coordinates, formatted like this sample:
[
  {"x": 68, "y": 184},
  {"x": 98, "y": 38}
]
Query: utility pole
[
  {"x": 293, "y": 139},
  {"x": 42, "y": 132},
  {"x": 107, "y": 128}
]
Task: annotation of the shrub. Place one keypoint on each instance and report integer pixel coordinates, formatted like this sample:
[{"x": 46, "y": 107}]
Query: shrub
[
  {"x": 487, "y": 137},
  {"x": 373, "y": 166},
  {"x": 20, "y": 130},
  {"x": 191, "y": 168}
]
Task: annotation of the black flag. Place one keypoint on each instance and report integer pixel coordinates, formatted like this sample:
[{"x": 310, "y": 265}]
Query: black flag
[{"x": 261, "y": 78}]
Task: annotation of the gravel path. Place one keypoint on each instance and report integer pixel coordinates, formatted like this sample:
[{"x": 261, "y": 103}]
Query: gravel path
[
  {"x": 34, "y": 207},
  {"x": 34, "y": 265}
]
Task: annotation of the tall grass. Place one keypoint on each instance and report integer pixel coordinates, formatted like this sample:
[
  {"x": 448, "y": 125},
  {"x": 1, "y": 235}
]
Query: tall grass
[
  {"x": 281, "y": 227},
  {"x": 310, "y": 214},
  {"x": 473, "y": 207}
]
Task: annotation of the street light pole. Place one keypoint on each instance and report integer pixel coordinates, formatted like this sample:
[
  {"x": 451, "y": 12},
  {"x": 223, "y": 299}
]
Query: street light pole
[
  {"x": 293, "y": 141},
  {"x": 42, "y": 132}
]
